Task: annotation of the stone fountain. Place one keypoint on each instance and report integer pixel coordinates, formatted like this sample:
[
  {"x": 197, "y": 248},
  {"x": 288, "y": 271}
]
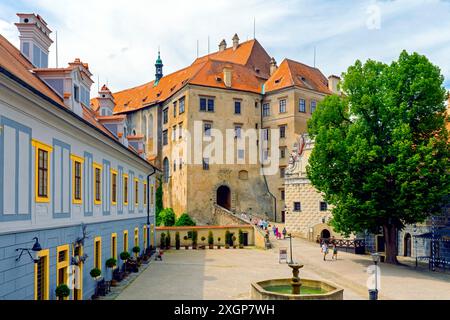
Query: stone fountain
[
  {"x": 295, "y": 288},
  {"x": 295, "y": 282}
]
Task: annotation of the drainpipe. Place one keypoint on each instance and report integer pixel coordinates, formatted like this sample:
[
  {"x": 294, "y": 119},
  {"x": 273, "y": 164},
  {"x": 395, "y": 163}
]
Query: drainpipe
[
  {"x": 148, "y": 206},
  {"x": 262, "y": 166}
]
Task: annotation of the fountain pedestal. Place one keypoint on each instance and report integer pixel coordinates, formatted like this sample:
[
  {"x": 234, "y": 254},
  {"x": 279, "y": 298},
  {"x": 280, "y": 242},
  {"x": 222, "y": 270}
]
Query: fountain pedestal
[{"x": 295, "y": 281}]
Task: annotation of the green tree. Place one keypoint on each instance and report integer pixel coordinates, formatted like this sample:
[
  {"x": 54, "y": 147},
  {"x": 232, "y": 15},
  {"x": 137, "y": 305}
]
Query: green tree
[
  {"x": 167, "y": 217},
  {"x": 159, "y": 202},
  {"x": 185, "y": 220},
  {"x": 381, "y": 150}
]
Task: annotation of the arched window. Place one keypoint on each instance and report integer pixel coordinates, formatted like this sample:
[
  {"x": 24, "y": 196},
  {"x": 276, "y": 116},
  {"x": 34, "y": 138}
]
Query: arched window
[
  {"x": 166, "y": 169},
  {"x": 150, "y": 126},
  {"x": 144, "y": 127}
]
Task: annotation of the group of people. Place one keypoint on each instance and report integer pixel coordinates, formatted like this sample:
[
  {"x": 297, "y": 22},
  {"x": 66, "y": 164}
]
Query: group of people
[
  {"x": 325, "y": 249},
  {"x": 277, "y": 233}
]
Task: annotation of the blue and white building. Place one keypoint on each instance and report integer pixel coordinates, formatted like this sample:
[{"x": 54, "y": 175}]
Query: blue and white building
[{"x": 67, "y": 181}]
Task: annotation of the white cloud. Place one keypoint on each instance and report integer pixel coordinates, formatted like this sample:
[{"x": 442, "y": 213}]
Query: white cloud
[{"x": 120, "y": 39}]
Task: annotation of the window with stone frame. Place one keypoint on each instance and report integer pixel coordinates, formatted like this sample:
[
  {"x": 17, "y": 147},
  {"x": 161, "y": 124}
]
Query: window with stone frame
[
  {"x": 302, "y": 105},
  {"x": 166, "y": 115},
  {"x": 323, "y": 206},
  {"x": 165, "y": 139},
  {"x": 297, "y": 207},
  {"x": 282, "y": 105},
  {"x": 205, "y": 163},
  {"x": 282, "y": 131},
  {"x": 266, "y": 109}
]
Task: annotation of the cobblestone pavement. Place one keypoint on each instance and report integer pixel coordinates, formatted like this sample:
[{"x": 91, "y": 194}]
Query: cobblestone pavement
[{"x": 228, "y": 273}]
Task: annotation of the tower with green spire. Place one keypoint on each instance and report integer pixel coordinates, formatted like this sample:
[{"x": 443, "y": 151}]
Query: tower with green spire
[{"x": 159, "y": 68}]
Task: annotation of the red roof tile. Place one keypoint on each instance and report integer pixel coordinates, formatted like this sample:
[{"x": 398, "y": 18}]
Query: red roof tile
[{"x": 292, "y": 73}]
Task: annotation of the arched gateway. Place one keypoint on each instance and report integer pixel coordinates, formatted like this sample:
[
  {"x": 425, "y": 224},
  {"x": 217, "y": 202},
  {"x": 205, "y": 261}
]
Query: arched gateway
[{"x": 224, "y": 197}]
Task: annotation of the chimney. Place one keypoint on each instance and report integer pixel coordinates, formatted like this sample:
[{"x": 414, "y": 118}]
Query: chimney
[
  {"x": 35, "y": 39},
  {"x": 222, "y": 45},
  {"x": 227, "y": 77},
  {"x": 333, "y": 84},
  {"x": 235, "y": 41},
  {"x": 273, "y": 66}
]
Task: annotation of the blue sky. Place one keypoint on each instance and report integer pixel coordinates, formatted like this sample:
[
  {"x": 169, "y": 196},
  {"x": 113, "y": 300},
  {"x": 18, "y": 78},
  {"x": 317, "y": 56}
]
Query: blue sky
[{"x": 120, "y": 42}]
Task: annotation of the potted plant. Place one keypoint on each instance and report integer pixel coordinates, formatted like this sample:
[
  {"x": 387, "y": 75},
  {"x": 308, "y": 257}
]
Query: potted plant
[
  {"x": 203, "y": 243},
  {"x": 177, "y": 240},
  {"x": 95, "y": 274},
  {"x": 186, "y": 246},
  {"x": 162, "y": 243},
  {"x": 234, "y": 245},
  {"x": 111, "y": 263},
  {"x": 227, "y": 239},
  {"x": 218, "y": 243},
  {"x": 168, "y": 240},
  {"x": 62, "y": 291},
  {"x": 194, "y": 239},
  {"x": 124, "y": 256},
  {"x": 136, "y": 251},
  {"x": 241, "y": 239},
  {"x": 210, "y": 240}
]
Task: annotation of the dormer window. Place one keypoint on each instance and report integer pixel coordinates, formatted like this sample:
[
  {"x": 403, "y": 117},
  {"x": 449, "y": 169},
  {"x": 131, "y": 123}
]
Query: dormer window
[{"x": 278, "y": 80}]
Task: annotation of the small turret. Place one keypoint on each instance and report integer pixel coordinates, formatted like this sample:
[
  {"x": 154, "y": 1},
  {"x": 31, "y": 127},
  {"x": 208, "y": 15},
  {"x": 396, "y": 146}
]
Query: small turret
[{"x": 159, "y": 68}]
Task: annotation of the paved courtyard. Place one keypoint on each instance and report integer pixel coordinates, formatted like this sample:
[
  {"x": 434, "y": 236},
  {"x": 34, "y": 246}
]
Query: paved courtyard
[{"x": 227, "y": 274}]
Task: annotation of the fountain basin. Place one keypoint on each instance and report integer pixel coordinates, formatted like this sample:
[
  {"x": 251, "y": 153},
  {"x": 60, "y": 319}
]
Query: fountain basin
[{"x": 275, "y": 289}]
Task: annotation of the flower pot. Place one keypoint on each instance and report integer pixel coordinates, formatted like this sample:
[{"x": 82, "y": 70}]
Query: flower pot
[
  {"x": 241, "y": 246},
  {"x": 194, "y": 247},
  {"x": 218, "y": 247},
  {"x": 211, "y": 246},
  {"x": 227, "y": 247},
  {"x": 234, "y": 247},
  {"x": 186, "y": 247}
]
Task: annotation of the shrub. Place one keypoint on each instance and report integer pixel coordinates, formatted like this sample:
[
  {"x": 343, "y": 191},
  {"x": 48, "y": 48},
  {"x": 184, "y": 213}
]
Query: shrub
[
  {"x": 177, "y": 240},
  {"x": 227, "y": 237},
  {"x": 162, "y": 242},
  {"x": 185, "y": 220},
  {"x": 210, "y": 238},
  {"x": 185, "y": 238},
  {"x": 124, "y": 255},
  {"x": 95, "y": 273},
  {"x": 194, "y": 237},
  {"x": 218, "y": 240},
  {"x": 136, "y": 249},
  {"x": 62, "y": 291},
  {"x": 159, "y": 202},
  {"x": 167, "y": 217},
  {"x": 203, "y": 239},
  {"x": 168, "y": 240},
  {"x": 241, "y": 237},
  {"x": 233, "y": 239},
  {"x": 111, "y": 263}
]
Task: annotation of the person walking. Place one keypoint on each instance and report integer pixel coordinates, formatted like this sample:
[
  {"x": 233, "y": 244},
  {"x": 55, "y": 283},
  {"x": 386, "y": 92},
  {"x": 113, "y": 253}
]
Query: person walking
[
  {"x": 324, "y": 250},
  {"x": 335, "y": 252},
  {"x": 276, "y": 233},
  {"x": 284, "y": 233},
  {"x": 274, "y": 229}
]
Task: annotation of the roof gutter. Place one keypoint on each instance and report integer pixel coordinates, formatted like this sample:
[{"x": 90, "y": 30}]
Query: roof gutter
[{"x": 53, "y": 102}]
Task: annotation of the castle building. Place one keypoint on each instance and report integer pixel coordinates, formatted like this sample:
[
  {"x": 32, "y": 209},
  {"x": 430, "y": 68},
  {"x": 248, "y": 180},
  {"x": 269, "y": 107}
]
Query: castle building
[
  {"x": 73, "y": 191},
  {"x": 307, "y": 213},
  {"x": 238, "y": 89}
]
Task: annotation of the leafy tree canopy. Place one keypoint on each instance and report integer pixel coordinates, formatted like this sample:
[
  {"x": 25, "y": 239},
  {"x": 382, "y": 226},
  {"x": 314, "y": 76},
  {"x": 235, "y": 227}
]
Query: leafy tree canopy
[
  {"x": 381, "y": 149},
  {"x": 185, "y": 220}
]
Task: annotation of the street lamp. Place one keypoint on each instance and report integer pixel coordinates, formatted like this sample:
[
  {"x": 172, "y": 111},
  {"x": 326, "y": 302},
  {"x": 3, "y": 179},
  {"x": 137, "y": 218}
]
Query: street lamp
[
  {"x": 373, "y": 293},
  {"x": 33, "y": 252},
  {"x": 290, "y": 246}
]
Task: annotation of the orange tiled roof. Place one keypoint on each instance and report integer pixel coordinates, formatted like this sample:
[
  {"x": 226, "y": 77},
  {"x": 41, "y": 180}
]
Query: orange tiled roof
[
  {"x": 12, "y": 60},
  {"x": 244, "y": 62},
  {"x": 292, "y": 73},
  {"x": 249, "y": 53},
  {"x": 250, "y": 66}
]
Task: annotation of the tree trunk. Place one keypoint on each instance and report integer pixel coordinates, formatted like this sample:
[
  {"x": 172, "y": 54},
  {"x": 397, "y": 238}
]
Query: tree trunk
[{"x": 390, "y": 243}]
